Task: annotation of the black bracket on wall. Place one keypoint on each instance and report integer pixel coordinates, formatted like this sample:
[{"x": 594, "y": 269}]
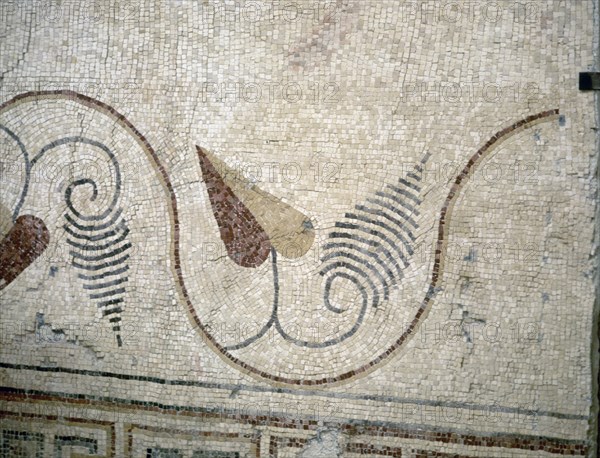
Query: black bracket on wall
[{"x": 589, "y": 81}]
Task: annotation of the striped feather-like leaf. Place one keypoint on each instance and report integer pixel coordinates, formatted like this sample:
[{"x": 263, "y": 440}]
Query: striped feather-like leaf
[
  {"x": 100, "y": 251},
  {"x": 373, "y": 244}
]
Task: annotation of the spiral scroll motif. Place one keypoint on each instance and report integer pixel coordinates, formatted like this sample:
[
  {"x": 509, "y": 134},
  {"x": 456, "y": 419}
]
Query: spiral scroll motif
[
  {"x": 97, "y": 231},
  {"x": 369, "y": 250}
]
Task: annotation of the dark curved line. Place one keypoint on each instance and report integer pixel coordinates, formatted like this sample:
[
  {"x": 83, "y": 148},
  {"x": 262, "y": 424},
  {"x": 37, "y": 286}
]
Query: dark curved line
[
  {"x": 275, "y": 320},
  {"x": 269, "y": 323},
  {"x": 105, "y": 294},
  {"x": 116, "y": 282},
  {"x": 25, "y": 153},
  {"x": 79, "y": 182},
  {"x": 395, "y": 210},
  {"x": 360, "y": 272},
  {"x": 408, "y": 184},
  {"x": 400, "y": 202},
  {"x": 87, "y": 141},
  {"x": 101, "y": 266},
  {"x": 102, "y": 256},
  {"x": 337, "y": 340},
  {"x": 376, "y": 233},
  {"x": 83, "y": 247},
  {"x": 252, "y": 339},
  {"x": 404, "y": 192},
  {"x": 374, "y": 243},
  {"x": 378, "y": 212},
  {"x": 327, "y": 292},
  {"x": 111, "y": 273},
  {"x": 94, "y": 227},
  {"x": 390, "y": 274},
  {"x": 383, "y": 225},
  {"x": 354, "y": 258},
  {"x": 93, "y": 238}
]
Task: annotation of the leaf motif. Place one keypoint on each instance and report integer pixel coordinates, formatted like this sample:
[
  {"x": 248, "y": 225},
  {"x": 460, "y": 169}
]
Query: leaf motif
[
  {"x": 374, "y": 243},
  {"x": 246, "y": 241},
  {"x": 101, "y": 251}
]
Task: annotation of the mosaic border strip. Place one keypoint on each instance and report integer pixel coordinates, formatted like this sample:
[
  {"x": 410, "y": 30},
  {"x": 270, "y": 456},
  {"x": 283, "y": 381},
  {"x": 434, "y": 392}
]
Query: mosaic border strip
[
  {"x": 502, "y": 440},
  {"x": 253, "y": 439},
  {"x": 441, "y": 244},
  {"x": 298, "y": 392}
]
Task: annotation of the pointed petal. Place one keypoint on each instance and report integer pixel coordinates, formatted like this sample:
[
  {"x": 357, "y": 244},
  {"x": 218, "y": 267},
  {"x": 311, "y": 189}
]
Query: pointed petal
[
  {"x": 25, "y": 241},
  {"x": 247, "y": 243},
  {"x": 290, "y": 231}
]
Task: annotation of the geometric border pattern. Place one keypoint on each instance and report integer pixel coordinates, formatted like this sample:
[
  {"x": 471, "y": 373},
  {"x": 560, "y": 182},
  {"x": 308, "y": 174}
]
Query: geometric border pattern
[
  {"x": 249, "y": 442},
  {"x": 105, "y": 427},
  {"x": 261, "y": 424}
]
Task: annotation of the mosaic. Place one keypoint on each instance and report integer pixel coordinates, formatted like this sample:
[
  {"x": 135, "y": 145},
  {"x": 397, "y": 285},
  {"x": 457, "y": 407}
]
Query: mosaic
[
  {"x": 251, "y": 229},
  {"x": 381, "y": 253}
]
